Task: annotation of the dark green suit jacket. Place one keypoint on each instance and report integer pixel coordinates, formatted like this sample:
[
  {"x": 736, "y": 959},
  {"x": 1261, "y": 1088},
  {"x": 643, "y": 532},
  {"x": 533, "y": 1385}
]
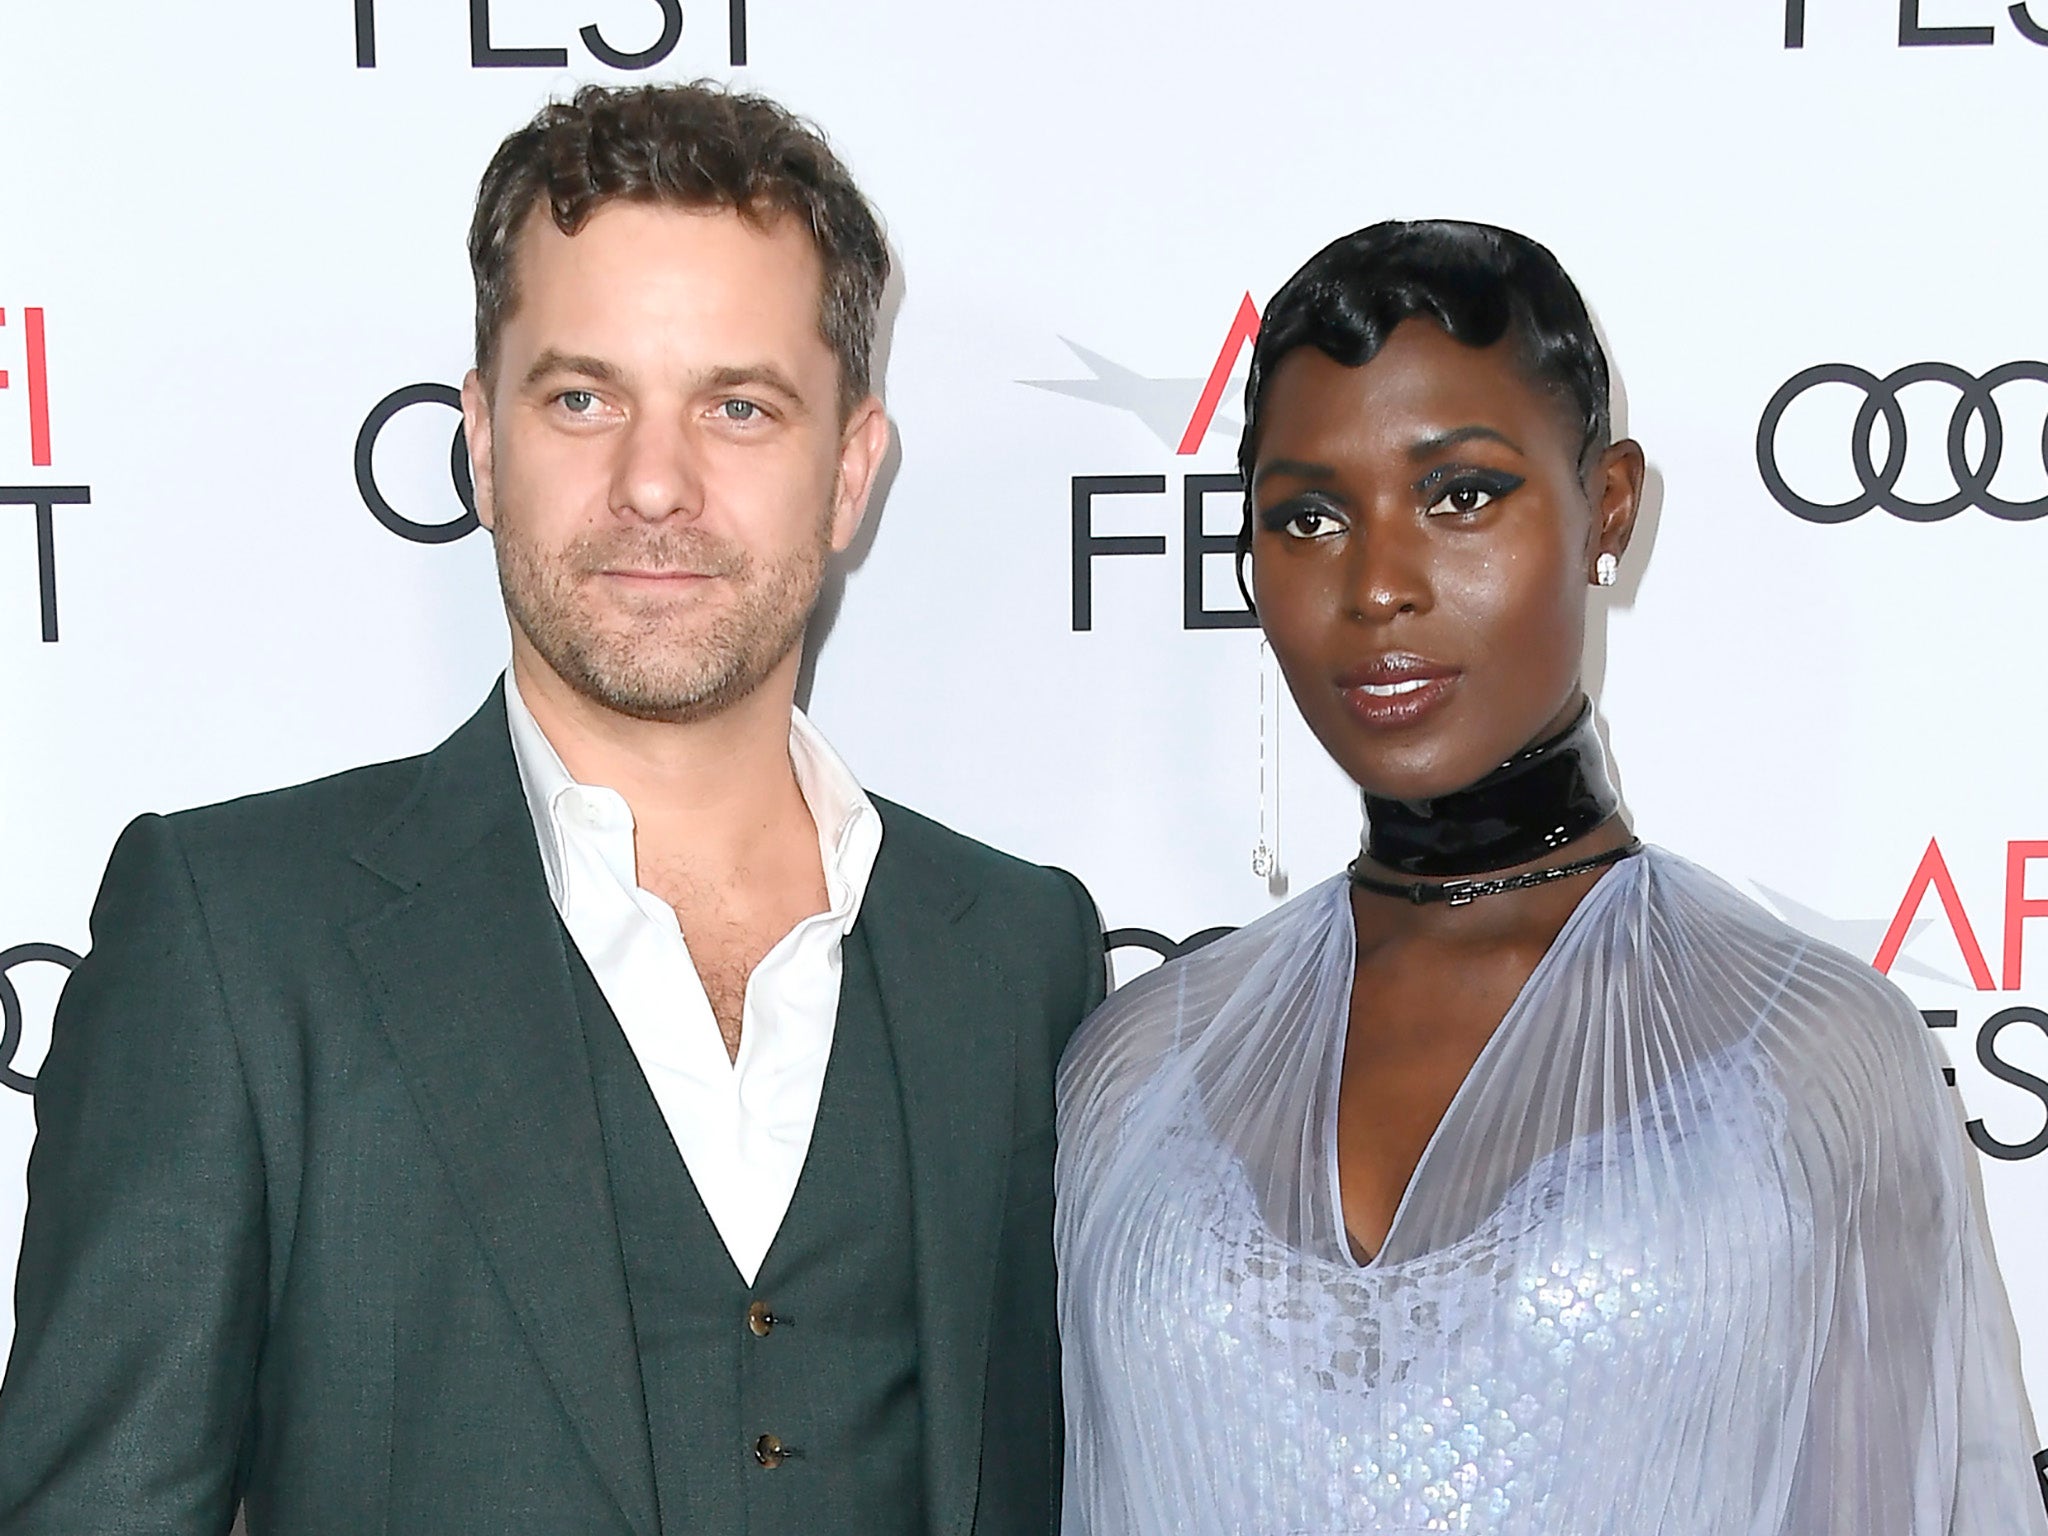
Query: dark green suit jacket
[{"x": 318, "y": 1217}]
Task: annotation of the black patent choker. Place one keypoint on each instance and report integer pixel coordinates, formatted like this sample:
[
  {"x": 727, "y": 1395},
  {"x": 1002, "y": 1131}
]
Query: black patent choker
[{"x": 1535, "y": 803}]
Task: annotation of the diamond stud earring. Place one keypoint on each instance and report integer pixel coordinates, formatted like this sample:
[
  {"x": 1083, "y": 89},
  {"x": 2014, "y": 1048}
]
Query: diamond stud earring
[{"x": 1604, "y": 569}]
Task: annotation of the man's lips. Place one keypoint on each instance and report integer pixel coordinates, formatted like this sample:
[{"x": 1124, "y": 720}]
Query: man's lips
[
  {"x": 1397, "y": 690},
  {"x": 640, "y": 573}
]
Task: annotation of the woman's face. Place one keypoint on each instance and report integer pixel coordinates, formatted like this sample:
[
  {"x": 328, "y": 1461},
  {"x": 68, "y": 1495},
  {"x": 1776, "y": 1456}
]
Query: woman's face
[{"x": 1422, "y": 539}]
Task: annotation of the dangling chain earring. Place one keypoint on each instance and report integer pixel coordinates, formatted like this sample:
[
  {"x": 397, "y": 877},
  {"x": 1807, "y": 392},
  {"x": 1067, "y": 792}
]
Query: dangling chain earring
[
  {"x": 1266, "y": 853},
  {"x": 1604, "y": 569}
]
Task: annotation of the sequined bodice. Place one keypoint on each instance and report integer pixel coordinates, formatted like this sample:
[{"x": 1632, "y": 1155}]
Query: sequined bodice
[{"x": 1488, "y": 1386}]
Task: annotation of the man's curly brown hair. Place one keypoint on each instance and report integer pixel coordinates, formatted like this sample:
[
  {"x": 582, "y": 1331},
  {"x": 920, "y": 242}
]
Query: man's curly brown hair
[{"x": 695, "y": 146}]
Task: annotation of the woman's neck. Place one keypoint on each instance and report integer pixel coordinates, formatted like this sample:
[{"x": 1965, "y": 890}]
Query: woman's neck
[{"x": 1544, "y": 800}]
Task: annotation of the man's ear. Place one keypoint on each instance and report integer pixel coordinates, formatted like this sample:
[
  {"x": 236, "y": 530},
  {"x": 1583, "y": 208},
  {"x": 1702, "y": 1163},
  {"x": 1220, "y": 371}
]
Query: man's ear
[
  {"x": 861, "y": 448},
  {"x": 476, "y": 433}
]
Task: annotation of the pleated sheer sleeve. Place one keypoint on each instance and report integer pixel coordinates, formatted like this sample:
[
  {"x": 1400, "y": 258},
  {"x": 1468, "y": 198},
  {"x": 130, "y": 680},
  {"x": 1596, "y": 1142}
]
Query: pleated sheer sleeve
[
  {"x": 1916, "y": 1419},
  {"x": 1696, "y": 1250}
]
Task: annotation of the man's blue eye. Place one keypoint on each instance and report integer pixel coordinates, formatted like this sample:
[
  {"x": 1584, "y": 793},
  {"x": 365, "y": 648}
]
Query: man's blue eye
[{"x": 578, "y": 400}]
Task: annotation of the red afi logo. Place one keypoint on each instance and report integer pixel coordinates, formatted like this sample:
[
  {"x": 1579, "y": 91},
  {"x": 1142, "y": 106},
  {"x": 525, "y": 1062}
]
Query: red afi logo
[
  {"x": 38, "y": 383},
  {"x": 1933, "y": 875},
  {"x": 1244, "y": 330}
]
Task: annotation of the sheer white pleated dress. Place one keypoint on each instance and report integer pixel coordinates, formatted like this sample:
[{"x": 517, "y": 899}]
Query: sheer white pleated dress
[{"x": 1695, "y": 1251}]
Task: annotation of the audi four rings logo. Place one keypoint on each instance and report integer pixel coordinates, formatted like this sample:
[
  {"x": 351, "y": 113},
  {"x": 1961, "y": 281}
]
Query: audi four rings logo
[
  {"x": 1160, "y": 945},
  {"x": 1976, "y": 401},
  {"x": 11, "y": 1020},
  {"x": 458, "y": 466}
]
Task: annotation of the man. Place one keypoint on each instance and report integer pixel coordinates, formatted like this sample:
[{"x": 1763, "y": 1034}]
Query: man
[{"x": 613, "y": 1121}]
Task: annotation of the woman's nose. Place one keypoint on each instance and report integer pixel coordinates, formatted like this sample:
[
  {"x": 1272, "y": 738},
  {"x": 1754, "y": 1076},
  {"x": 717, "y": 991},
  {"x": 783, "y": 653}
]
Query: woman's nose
[{"x": 1388, "y": 569}]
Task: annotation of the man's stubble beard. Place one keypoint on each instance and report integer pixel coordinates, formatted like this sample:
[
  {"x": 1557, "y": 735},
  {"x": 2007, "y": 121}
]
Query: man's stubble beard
[{"x": 667, "y": 661}]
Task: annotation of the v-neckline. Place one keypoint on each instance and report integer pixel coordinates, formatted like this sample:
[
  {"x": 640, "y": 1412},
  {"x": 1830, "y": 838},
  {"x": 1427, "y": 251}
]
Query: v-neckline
[{"x": 1493, "y": 1047}]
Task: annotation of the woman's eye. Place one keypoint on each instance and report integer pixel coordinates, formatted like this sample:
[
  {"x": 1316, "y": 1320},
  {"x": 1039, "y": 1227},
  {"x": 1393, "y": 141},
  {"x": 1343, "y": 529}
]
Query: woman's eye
[
  {"x": 1464, "y": 497},
  {"x": 1305, "y": 519}
]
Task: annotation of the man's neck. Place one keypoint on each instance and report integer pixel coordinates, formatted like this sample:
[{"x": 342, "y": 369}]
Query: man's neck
[{"x": 715, "y": 785}]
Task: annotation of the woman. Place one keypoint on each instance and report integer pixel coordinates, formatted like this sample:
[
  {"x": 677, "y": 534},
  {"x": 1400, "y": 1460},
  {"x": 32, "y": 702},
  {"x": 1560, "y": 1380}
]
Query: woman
[{"x": 1522, "y": 1178}]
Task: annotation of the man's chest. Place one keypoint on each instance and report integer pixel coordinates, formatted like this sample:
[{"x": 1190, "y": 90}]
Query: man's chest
[{"x": 729, "y": 933}]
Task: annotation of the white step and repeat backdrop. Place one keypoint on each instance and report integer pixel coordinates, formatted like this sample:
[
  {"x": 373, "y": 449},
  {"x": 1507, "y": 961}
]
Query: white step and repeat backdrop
[{"x": 233, "y": 555}]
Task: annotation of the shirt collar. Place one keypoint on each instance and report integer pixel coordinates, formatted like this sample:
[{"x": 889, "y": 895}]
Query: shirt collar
[{"x": 849, "y": 826}]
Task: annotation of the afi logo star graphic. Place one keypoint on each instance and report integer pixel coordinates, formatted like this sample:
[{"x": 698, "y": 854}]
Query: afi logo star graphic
[{"x": 1172, "y": 409}]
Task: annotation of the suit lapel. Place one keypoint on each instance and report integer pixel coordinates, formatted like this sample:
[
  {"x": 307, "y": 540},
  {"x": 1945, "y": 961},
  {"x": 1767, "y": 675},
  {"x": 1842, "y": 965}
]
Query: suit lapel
[
  {"x": 944, "y": 1008},
  {"x": 472, "y": 988}
]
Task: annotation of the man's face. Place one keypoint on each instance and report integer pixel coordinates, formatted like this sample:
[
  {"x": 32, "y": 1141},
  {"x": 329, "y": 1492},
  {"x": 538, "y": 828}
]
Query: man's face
[{"x": 660, "y": 456}]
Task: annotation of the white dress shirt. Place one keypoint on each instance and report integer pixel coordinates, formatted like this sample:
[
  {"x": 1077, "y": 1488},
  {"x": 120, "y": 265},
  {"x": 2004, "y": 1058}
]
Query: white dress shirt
[{"x": 743, "y": 1125}]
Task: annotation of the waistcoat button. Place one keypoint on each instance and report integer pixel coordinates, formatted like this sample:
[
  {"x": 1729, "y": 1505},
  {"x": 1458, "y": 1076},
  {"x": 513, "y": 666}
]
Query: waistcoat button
[
  {"x": 770, "y": 1452},
  {"x": 760, "y": 1320}
]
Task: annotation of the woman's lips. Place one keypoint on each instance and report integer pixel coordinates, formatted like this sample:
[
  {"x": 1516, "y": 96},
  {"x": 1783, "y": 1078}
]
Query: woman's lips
[{"x": 1391, "y": 692}]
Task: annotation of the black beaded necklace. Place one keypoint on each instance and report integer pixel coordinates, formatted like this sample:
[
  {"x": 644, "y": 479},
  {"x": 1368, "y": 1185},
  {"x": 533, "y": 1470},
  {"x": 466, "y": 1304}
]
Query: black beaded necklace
[{"x": 1541, "y": 799}]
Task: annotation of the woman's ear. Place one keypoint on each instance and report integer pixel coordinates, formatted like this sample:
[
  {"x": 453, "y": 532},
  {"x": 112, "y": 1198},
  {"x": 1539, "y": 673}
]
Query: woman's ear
[{"x": 1615, "y": 487}]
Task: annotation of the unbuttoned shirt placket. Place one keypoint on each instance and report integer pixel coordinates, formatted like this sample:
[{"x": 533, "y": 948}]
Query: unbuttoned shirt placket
[{"x": 743, "y": 1124}]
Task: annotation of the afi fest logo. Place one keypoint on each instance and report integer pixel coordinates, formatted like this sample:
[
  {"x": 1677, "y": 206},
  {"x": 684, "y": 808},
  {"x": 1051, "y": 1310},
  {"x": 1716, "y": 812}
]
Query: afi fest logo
[
  {"x": 1962, "y": 455},
  {"x": 1916, "y": 33},
  {"x": 1182, "y": 414},
  {"x": 487, "y": 50},
  {"x": 2003, "y": 1034},
  {"x": 25, "y": 386}
]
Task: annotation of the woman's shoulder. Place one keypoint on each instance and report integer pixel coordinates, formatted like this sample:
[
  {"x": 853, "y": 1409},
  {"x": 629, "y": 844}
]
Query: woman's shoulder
[
  {"x": 1819, "y": 1012},
  {"x": 1156, "y": 1019}
]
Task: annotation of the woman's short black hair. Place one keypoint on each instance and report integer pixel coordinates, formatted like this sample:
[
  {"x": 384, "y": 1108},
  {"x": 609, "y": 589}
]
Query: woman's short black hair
[{"x": 1480, "y": 283}]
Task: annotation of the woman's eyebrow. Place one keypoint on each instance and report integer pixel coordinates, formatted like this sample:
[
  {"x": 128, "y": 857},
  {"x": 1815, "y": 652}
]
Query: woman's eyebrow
[
  {"x": 1429, "y": 447},
  {"x": 1299, "y": 469}
]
